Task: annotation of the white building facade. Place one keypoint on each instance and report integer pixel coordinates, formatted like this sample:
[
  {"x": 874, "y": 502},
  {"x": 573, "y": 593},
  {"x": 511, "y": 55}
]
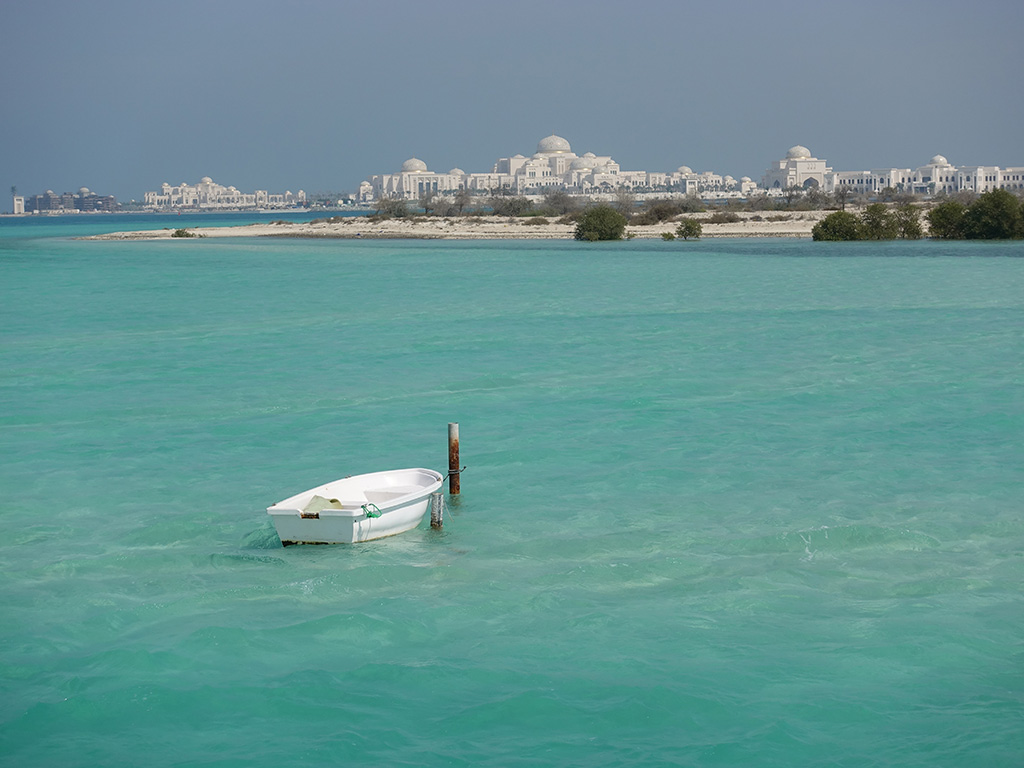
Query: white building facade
[
  {"x": 210, "y": 195},
  {"x": 798, "y": 169},
  {"x": 938, "y": 176},
  {"x": 554, "y": 166}
]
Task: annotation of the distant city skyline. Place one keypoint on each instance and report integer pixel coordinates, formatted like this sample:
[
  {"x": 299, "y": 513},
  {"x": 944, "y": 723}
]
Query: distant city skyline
[
  {"x": 120, "y": 96},
  {"x": 554, "y": 165}
]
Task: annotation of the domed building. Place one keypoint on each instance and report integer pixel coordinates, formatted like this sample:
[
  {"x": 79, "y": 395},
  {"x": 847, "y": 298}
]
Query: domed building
[
  {"x": 208, "y": 194},
  {"x": 414, "y": 165},
  {"x": 798, "y": 169},
  {"x": 412, "y": 182},
  {"x": 552, "y": 166},
  {"x": 553, "y": 145},
  {"x": 85, "y": 200},
  {"x": 937, "y": 176}
]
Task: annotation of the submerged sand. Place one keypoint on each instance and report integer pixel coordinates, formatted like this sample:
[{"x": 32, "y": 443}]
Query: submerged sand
[{"x": 796, "y": 224}]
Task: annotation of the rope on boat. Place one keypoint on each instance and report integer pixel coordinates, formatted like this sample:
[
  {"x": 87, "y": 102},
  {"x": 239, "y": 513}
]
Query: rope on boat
[{"x": 372, "y": 513}]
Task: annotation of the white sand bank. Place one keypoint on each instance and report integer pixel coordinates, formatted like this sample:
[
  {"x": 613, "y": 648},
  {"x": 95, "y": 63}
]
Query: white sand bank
[{"x": 796, "y": 224}]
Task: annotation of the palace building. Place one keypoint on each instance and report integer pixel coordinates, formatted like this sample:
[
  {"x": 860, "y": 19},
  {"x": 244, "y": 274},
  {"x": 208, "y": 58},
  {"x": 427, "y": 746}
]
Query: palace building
[
  {"x": 85, "y": 201},
  {"x": 553, "y": 166},
  {"x": 938, "y": 176},
  {"x": 210, "y": 195},
  {"x": 798, "y": 169}
]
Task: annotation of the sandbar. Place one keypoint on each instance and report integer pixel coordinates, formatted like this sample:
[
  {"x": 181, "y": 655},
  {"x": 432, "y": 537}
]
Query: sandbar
[{"x": 772, "y": 224}]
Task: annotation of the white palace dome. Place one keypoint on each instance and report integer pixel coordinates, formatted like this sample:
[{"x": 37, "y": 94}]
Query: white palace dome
[
  {"x": 798, "y": 152},
  {"x": 414, "y": 165},
  {"x": 553, "y": 145},
  {"x": 939, "y": 160}
]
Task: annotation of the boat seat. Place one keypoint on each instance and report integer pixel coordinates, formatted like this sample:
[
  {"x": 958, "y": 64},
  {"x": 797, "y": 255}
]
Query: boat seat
[{"x": 320, "y": 503}]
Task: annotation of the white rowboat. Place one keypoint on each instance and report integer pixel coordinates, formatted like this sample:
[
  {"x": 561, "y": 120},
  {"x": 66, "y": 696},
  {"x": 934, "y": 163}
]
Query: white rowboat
[{"x": 357, "y": 508}]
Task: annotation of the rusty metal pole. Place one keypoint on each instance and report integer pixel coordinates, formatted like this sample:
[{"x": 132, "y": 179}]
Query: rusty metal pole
[
  {"x": 436, "y": 510},
  {"x": 453, "y": 458}
]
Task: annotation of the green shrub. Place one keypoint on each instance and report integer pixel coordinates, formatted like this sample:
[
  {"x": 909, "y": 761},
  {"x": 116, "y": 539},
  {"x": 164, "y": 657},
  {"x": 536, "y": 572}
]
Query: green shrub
[
  {"x": 877, "y": 223},
  {"x": 723, "y": 217},
  {"x": 667, "y": 236},
  {"x": 691, "y": 204},
  {"x": 391, "y": 208},
  {"x": 657, "y": 211},
  {"x": 511, "y": 206},
  {"x": 908, "y": 222},
  {"x": 995, "y": 215},
  {"x": 689, "y": 228},
  {"x": 602, "y": 222},
  {"x": 536, "y": 220},
  {"x": 183, "y": 233},
  {"x": 559, "y": 202},
  {"x": 840, "y": 225},
  {"x": 945, "y": 220}
]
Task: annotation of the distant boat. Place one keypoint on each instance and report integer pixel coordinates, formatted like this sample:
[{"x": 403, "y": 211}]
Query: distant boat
[{"x": 357, "y": 508}]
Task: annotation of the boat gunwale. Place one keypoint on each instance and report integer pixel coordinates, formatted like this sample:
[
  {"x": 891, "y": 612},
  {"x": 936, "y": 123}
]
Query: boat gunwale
[{"x": 385, "y": 507}]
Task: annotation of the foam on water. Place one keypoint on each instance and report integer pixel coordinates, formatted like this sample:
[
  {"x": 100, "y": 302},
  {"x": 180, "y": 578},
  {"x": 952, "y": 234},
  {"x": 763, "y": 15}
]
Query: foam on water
[{"x": 728, "y": 503}]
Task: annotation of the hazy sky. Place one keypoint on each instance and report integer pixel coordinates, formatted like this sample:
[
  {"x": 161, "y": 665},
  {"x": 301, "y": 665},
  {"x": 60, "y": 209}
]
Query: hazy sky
[{"x": 122, "y": 96}]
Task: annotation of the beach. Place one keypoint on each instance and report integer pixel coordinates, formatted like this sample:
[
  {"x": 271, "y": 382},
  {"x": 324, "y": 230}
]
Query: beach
[{"x": 770, "y": 224}]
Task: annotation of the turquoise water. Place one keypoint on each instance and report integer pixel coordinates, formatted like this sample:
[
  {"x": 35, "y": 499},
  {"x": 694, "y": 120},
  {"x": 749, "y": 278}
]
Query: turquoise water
[{"x": 728, "y": 503}]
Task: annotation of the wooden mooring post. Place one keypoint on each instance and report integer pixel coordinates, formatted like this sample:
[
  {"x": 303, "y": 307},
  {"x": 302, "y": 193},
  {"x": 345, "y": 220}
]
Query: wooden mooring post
[
  {"x": 453, "y": 458},
  {"x": 436, "y": 510}
]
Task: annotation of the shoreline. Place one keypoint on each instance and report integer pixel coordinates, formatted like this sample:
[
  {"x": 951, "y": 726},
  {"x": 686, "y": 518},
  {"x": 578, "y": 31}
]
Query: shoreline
[{"x": 795, "y": 224}]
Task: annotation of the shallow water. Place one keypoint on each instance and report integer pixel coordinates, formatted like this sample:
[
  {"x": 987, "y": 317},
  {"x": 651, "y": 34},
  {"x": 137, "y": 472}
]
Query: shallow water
[{"x": 727, "y": 503}]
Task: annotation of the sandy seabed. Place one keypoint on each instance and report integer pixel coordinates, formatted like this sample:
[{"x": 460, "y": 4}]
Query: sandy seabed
[{"x": 796, "y": 224}]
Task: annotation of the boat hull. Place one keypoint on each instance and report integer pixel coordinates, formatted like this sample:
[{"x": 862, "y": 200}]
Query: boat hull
[{"x": 356, "y": 509}]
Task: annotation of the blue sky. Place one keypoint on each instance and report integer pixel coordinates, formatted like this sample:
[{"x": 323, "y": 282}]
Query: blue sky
[{"x": 122, "y": 96}]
